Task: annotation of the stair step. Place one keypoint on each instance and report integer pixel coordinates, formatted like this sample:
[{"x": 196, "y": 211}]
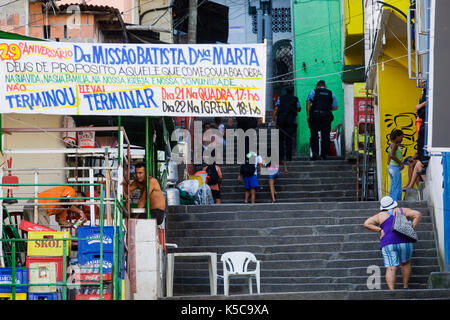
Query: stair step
[
  {"x": 276, "y": 236},
  {"x": 303, "y": 174},
  {"x": 269, "y": 288},
  {"x": 313, "y": 272},
  {"x": 292, "y": 216},
  {"x": 309, "y": 264},
  {"x": 279, "y": 221},
  {"x": 316, "y": 247},
  {"x": 330, "y": 295},
  {"x": 281, "y": 187},
  {"x": 299, "y": 206}
]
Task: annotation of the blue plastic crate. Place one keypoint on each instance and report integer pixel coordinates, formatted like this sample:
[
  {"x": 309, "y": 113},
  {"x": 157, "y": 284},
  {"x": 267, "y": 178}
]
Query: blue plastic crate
[
  {"x": 43, "y": 296},
  {"x": 93, "y": 244},
  {"x": 21, "y": 278},
  {"x": 92, "y": 261}
]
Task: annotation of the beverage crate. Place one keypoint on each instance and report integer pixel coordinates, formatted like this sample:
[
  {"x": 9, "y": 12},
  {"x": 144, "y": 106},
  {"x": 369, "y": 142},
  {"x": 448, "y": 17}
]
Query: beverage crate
[
  {"x": 21, "y": 278},
  {"x": 45, "y": 246},
  {"x": 30, "y": 226},
  {"x": 8, "y": 296},
  {"x": 42, "y": 273},
  {"x": 92, "y": 277},
  {"x": 106, "y": 296},
  {"x": 43, "y": 296},
  {"x": 93, "y": 243},
  {"x": 92, "y": 260},
  {"x": 58, "y": 261}
]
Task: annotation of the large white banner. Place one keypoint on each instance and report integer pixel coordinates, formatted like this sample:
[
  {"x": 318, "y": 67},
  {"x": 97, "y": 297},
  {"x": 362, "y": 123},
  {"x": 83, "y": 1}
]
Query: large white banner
[{"x": 132, "y": 79}]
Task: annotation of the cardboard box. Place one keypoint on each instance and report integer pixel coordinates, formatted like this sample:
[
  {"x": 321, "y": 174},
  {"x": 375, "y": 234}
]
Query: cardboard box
[{"x": 106, "y": 142}]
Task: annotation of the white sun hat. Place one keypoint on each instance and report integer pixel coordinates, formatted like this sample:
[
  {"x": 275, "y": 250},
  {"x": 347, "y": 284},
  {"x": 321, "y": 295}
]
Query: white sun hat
[{"x": 387, "y": 203}]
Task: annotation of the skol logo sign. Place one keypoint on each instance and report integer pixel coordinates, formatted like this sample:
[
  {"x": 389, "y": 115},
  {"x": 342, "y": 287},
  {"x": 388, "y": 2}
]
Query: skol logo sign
[{"x": 47, "y": 244}]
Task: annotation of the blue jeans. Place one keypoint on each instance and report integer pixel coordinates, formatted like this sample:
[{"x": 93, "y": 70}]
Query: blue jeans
[{"x": 395, "y": 173}]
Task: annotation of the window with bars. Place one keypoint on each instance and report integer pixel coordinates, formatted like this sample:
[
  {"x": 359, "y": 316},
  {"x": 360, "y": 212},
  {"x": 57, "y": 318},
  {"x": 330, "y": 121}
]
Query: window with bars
[{"x": 281, "y": 21}]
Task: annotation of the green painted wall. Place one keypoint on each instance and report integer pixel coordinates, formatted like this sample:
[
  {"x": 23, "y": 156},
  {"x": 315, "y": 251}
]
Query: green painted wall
[{"x": 317, "y": 30}]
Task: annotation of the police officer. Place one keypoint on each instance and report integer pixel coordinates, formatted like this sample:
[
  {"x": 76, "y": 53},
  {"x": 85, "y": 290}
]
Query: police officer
[
  {"x": 319, "y": 106},
  {"x": 285, "y": 111}
]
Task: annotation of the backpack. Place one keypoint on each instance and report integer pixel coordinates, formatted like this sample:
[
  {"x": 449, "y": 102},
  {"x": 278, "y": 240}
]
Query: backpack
[
  {"x": 213, "y": 175},
  {"x": 247, "y": 169}
]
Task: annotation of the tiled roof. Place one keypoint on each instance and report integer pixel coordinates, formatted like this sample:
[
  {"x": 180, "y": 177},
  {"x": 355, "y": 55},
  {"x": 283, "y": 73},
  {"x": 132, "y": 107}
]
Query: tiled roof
[{"x": 89, "y": 7}]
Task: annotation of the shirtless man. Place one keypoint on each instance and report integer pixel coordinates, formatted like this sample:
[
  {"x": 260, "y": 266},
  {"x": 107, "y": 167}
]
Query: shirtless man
[{"x": 156, "y": 197}]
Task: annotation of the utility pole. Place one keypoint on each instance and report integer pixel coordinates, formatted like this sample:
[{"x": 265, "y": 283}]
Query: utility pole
[
  {"x": 259, "y": 25},
  {"x": 192, "y": 26},
  {"x": 266, "y": 24}
]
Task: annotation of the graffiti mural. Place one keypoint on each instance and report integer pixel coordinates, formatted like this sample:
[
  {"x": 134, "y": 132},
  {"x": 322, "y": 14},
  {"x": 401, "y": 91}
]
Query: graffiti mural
[{"x": 406, "y": 122}]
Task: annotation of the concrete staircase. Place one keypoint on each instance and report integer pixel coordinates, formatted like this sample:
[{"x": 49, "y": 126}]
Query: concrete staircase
[
  {"x": 312, "y": 181},
  {"x": 311, "y": 243},
  {"x": 303, "y": 247}
]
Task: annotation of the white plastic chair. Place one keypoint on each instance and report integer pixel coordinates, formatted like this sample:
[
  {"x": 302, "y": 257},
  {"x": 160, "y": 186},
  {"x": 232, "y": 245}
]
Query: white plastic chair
[{"x": 235, "y": 263}]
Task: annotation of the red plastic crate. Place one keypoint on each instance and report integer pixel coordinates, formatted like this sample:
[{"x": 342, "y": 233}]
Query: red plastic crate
[
  {"x": 92, "y": 277},
  {"x": 30, "y": 226},
  {"x": 57, "y": 260},
  {"x": 106, "y": 296}
]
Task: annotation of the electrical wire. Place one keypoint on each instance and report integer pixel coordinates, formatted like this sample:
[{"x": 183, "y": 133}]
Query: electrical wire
[
  {"x": 311, "y": 65},
  {"x": 339, "y": 72},
  {"x": 6, "y": 4}
]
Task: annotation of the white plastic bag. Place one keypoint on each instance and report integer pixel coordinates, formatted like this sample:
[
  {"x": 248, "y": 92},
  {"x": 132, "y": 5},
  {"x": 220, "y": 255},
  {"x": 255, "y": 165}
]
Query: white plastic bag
[
  {"x": 204, "y": 196},
  {"x": 189, "y": 186}
]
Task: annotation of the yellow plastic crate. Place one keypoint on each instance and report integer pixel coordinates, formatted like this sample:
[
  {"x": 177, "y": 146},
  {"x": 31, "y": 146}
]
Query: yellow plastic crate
[
  {"x": 8, "y": 296},
  {"x": 46, "y": 246}
]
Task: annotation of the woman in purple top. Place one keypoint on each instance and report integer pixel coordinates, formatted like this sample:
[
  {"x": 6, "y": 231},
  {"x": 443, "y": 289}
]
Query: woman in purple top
[{"x": 395, "y": 248}]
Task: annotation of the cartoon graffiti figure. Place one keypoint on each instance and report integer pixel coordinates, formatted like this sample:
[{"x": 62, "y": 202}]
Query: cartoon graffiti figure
[{"x": 405, "y": 122}]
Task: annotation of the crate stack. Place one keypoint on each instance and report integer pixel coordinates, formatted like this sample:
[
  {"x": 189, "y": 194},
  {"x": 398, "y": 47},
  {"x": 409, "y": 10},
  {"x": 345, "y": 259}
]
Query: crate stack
[
  {"x": 21, "y": 277},
  {"x": 89, "y": 262},
  {"x": 45, "y": 262}
]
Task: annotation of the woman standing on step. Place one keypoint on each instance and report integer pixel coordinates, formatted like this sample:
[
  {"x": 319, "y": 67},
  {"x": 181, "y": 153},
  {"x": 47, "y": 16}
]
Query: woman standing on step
[
  {"x": 395, "y": 165},
  {"x": 396, "y": 248}
]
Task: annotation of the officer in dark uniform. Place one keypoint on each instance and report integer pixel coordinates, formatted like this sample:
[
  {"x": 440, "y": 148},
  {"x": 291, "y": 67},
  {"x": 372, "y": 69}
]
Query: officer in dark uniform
[
  {"x": 285, "y": 111},
  {"x": 319, "y": 106}
]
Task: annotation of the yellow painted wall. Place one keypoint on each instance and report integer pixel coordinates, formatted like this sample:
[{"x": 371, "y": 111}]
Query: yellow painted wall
[
  {"x": 354, "y": 31},
  {"x": 397, "y": 98},
  {"x": 403, "y": 5},
  {"x": 354, "y": 17}
]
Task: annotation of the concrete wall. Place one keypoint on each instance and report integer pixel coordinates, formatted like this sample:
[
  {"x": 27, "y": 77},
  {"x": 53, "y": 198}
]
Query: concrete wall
[
  {"x": 317, "y": 27},
  {"x": 148, "y": 285},
  {"x": 348, "y": 122},
  {"x": 33, "y": 141},
  {"x": 433, "y": 193},
  {"x": 14, "y": 17},
  {"x": 165, "y": 17}
]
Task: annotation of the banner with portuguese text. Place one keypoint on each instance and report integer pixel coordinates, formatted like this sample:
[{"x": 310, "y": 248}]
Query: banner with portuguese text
[{"x": 132, "y": 79}]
